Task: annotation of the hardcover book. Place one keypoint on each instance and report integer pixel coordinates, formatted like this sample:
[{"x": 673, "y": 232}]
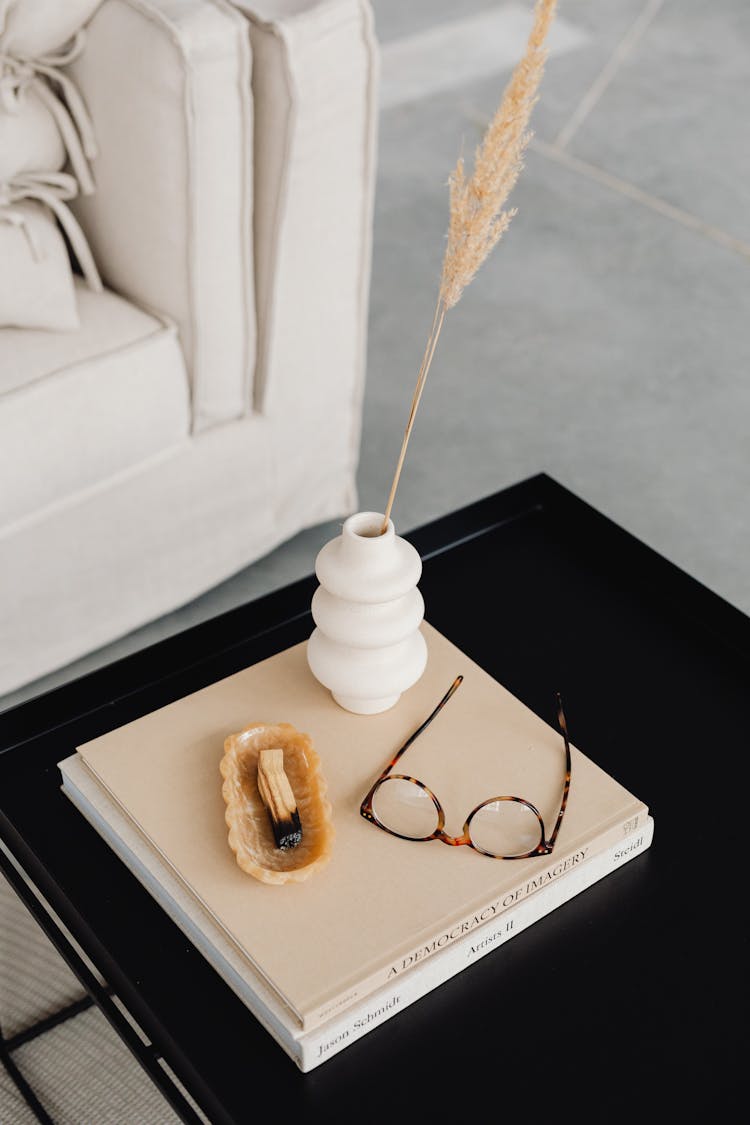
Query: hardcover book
[
  {"x": 309, "y": 1049},
  {"x": 383, "y": 905}
]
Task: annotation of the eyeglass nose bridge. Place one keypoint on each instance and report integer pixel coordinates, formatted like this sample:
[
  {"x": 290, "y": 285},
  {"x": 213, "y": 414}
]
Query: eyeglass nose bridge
[{"x": 453, "y": 841}]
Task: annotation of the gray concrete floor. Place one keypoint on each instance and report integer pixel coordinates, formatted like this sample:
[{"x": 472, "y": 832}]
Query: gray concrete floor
[{"x": 606, "y": 339}]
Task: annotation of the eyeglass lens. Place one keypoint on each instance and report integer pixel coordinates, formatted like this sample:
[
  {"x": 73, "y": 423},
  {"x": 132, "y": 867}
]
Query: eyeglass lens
[
  {"x": 405, "y": 808},
  {"x": 501, "y": 828}
]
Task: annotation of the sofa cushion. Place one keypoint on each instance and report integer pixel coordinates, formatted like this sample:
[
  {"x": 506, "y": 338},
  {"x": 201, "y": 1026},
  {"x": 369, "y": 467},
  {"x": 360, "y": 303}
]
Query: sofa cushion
[
  {"x": 79, "y": 408},
  {"x": 37, "y": 39},
  {"x": 29, "y": 28},
  {"x": 36, "y": 281},
  {"x": 43, "y": 123},
  {"x": 170, "y": 224},
  {"x": 30, "y": 140}
]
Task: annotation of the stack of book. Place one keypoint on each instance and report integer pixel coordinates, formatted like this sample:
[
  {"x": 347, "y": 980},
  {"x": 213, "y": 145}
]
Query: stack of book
[{"x": 323, "y": 962}]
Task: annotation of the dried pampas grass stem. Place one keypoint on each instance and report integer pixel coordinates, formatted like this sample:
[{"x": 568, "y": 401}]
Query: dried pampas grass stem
[{"x": 478, "y": 218}]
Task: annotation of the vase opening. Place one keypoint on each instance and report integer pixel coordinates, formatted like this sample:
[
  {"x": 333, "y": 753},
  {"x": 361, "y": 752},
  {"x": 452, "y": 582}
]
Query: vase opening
[{"x": 367, "y": 525}]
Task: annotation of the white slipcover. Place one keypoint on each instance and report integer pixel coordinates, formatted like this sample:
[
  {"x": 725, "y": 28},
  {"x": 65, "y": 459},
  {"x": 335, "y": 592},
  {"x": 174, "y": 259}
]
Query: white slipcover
[
  {"x": 170, "y": 222},
  {"x": 127, "y": 534},
  {"x": 36, "y": 282},
  {"x": 30, "y": 140},
  {"x": 315, "y": 70},
  {"x": 76, "y": 409},
  {"x": 30, "y": 28}
]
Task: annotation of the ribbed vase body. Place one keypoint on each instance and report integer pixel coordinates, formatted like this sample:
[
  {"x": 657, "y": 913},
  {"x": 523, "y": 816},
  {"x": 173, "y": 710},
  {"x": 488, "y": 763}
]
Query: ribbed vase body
[{"x": 367, "y": 647}]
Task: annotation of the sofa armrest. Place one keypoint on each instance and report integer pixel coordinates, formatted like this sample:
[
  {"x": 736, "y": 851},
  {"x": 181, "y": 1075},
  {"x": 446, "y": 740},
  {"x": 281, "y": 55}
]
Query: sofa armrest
[
  {"x": 168, "y": 87},
  {"x": 315, "y": 75}
]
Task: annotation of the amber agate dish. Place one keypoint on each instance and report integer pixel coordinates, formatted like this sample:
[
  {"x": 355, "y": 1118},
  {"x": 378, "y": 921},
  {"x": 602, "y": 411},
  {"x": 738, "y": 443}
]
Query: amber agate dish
[{"x": 251, "y": 836}]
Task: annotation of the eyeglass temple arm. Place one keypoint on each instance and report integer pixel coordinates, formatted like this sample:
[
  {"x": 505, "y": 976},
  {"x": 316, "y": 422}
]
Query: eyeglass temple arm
[
  {"x": 423, "y": 726},
  {"x": 566, "y": 787}
]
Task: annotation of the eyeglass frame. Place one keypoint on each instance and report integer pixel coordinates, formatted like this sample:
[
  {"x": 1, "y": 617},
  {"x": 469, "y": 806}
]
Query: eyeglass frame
[{"x": 544, "y": 847}]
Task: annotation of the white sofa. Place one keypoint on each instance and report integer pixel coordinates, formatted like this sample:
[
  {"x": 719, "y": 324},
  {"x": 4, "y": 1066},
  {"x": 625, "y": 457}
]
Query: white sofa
[{"x": 209, "y": 405}]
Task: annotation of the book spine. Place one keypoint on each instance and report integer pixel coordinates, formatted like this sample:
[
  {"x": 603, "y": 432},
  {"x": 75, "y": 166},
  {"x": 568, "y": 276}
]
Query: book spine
[
  {"x": 311, "y": 1049},
  {"x": 481, "y": 916}
]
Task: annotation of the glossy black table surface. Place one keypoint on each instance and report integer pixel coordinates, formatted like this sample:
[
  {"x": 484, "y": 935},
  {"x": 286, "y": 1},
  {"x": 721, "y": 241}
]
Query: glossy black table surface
[{"x": 625, "y": 1002}]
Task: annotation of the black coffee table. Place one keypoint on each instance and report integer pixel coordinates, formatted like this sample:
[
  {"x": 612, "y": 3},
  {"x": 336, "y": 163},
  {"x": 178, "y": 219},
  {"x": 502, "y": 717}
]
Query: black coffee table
[{"x": 624, "y": 999}]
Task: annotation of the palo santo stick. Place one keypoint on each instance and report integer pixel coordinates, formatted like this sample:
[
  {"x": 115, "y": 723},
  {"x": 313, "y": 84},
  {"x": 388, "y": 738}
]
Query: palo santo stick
[{"x": 276, "y": 794}]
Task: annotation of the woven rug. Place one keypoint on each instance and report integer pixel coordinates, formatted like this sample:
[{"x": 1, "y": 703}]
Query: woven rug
[
  {"x": 35, "y": 982},
  {"x": 79, "y": 1069},
  {"x": 84, "y": 1075}
]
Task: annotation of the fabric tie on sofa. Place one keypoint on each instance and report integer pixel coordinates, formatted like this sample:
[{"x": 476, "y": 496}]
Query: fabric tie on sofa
[
  {"x": 46, "y": 143},
  {"x": 43, "y": 72},
  {"x": 53, "y": 189}
]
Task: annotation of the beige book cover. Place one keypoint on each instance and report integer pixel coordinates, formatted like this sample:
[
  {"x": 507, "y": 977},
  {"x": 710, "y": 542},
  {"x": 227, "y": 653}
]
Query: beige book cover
[{"x": 382, "y": 903}]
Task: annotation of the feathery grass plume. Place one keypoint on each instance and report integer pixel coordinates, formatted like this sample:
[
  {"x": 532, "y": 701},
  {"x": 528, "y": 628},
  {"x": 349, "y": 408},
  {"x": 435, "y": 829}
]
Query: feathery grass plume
[{"x": 478, "y": 219}]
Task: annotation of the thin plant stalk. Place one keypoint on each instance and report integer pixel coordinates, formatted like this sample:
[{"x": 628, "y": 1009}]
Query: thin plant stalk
[
  {"x": 478, "y": 218},
  {"x": 437, "y": 324}
]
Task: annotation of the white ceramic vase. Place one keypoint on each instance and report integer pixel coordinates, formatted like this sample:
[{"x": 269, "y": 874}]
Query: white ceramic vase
[{"x": 367, "y": 647}]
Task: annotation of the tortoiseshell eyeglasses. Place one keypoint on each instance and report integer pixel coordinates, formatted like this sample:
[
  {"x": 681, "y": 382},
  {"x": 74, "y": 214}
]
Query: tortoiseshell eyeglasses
[{"x": 501, "y": 827}]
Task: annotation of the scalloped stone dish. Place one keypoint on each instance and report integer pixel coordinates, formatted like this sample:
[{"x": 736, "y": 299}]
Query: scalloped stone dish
[{"x": 250, "y": 833}]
